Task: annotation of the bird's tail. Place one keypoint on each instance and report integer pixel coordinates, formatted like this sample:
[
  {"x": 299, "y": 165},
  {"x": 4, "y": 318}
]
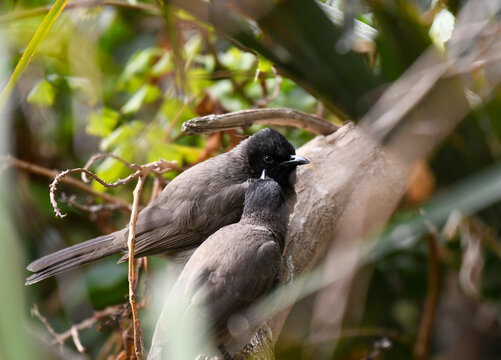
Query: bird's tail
[{"x": 71, "y": 257}]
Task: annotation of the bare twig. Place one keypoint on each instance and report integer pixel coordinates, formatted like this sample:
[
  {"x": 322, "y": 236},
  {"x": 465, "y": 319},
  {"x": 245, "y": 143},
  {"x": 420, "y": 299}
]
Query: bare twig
[
  {"x": 58, "y": 178},
  {"x": 35, "y": 312},
  {"x": 141, "y": 173},
  {"x": 157, "y": 167},
  {"x": 93, "y": 209},
  {"x": 110, "y": 311},
  {"x": 245, "y": 118},
  {"x": 96, "y": 157},
  {"x": 131, "y": 242},
  {"x": 76, "y": 339},
  {"x": 422, "y": 345},
  {"x": 39, "y": 170},
  {"x": 276, "y": 90}
]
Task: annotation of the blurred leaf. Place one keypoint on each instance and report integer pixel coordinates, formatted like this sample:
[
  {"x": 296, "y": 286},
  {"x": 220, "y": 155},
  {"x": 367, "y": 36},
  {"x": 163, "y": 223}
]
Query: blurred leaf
[
  {"x": 441, "y": 29},
  {"x": 402, "y": 38},
  {"x": 42, "y": 94},
  {"x": 147, "y": 94},
  {"x": 236, "y": 59},
  {"x": 163, "y": 66},
  {"x": 123, "y": 134},
  {"x": 33, "y": 45},
  {"x": 340, "y": 78},
  {"x": 469, "y": 196},
  {"x": 198, "y": 80},
  {"x": 102, "y": 123},
  {"x": 141, "y": 62},
  {"x": 264, "y": 65}
]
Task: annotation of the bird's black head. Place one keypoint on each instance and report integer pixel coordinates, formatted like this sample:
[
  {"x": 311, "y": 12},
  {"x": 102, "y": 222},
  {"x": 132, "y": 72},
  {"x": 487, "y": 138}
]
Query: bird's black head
[{"x": 270, "y": 151}]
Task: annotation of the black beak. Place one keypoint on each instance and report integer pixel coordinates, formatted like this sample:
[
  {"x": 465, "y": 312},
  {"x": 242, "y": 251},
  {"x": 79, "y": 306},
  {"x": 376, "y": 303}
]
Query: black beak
[{"x": 296, "y": 160}]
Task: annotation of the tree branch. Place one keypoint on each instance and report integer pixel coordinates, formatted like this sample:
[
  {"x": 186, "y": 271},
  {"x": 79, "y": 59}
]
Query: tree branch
[{"x": 246, "y": 118}]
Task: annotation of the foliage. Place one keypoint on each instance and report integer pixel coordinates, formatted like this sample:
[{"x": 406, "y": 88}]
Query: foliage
[{"x": 122, "y": 79}]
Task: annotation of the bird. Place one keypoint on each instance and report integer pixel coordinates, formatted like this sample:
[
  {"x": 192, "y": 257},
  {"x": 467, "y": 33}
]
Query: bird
[
  {"x": 191, "y": 207},
  {"x": 234, "y": 267}
]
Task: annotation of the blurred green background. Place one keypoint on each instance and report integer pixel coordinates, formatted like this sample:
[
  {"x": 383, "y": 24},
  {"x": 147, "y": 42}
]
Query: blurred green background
[{"x": 122, "y": 76}]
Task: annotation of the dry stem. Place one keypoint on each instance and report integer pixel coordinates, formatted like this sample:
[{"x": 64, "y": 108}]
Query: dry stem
[
  {"x": 131, "y": 242},
  {"x": 110, "y": 311},
  {"x": 422, "y": 345}
]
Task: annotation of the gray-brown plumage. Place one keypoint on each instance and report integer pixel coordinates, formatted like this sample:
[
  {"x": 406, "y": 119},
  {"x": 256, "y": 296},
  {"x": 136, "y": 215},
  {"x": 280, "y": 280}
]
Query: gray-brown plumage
[
  {"x": 232, "y": 269},
  {"x": 194, "y": 205}
]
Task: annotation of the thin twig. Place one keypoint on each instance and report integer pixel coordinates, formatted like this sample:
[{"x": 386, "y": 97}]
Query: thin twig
[
  {"x": 245, "y": 118},
  {"x": 422, "y": 345},
  {"x": 76, "y": 339},
  {"x": 276, "y": 89},
  {"x": 93, "y": 209},
  {"x": 35, "y": 312},
  {"x": 96, "y": 157},
  {"x": 131, "y": 242},
  {"x": 58, "y": 178},
  {"x": 110, "y": 311},
  {"x": 160, "y": 166},
  {"x": 39, "y": 170}
]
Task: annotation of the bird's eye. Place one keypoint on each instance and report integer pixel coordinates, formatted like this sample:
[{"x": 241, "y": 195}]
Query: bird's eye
[{"x": 268, "y": 159}]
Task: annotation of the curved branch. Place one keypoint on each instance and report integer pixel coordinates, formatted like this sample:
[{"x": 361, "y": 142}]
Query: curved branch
[{"x": 246, "y": 118}]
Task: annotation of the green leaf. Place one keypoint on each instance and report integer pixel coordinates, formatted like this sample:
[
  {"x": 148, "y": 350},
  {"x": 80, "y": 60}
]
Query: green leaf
[
  {"x": 102, "y": 123},
  {"x": 123, "y": 134},
  {"x": 32, "y": 48},
  {"x": 147, "y": 94},
  {"x": 172, "y": 152},
  {"x": 235, "y": 59},
  {"x": 264, "y": 65},
  {"x": 198, "y": 80},
  {"x": 42, "y": 94},
  {"x": 142, "y": 61},
  {"x": 163, "y": 66}
]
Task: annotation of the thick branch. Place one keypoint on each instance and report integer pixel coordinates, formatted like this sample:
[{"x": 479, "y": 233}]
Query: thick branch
[
  {"x": 246, "y": 118},
  {"x": 358, "y": 175}
]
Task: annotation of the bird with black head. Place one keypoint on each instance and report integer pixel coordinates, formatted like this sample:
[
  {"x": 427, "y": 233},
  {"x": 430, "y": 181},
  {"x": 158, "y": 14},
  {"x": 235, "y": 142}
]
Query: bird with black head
[
  {"x": 190, "y": 208},
  {"x": 233, "y": 268}
]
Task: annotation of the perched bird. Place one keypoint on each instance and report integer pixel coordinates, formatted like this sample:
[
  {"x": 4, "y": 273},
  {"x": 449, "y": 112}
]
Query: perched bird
[
  {"x": 193, "y": 206},
  {"x": 235, "y": 266}
]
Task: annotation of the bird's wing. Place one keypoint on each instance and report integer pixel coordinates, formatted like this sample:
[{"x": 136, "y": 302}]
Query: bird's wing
[{"x": 187, "y": 217}]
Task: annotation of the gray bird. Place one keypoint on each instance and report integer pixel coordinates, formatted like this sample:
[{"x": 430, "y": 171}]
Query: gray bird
[
  {"x": 193, "y": 206},
  {"x": 233, "y": 268}
]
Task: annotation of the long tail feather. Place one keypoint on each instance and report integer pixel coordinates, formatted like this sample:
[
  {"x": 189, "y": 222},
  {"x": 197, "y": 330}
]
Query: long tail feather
[{"x": 71, "y": 257}]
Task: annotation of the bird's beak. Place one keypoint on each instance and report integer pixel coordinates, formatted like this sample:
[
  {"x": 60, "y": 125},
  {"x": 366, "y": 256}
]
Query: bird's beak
[{"x": 296, "y": 160}]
